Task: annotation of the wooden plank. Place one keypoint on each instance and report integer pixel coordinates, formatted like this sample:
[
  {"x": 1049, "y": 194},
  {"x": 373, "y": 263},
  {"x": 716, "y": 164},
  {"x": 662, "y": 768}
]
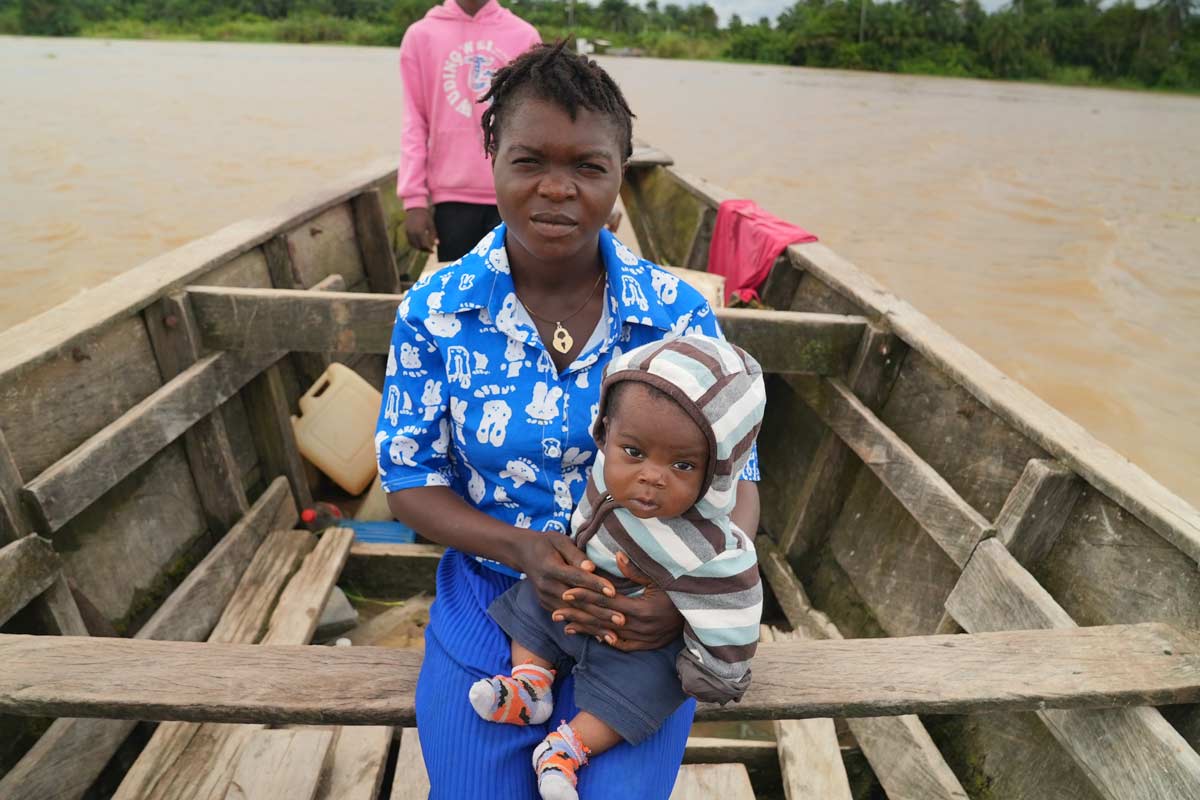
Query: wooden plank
[
  {"x": 82, "y": 476},
  {"x": 312, "y": 365},
  {"x": 1065, "y": 440},
  {"x": 196, "y": 606},
  {"x": 810, "y": 760},
  {"x": 900, "y": 750},
  {"x": 300, "y": 604},
  {"x": 1036, "y": 510},
  {"x": 1112, "y": 666},
  {"x": 713, "y": 782},
  {"x": 271, "y": 424},
  {"x": 374, "y": 244},
  {"x": 279, "y": 263},
  {"x": 952, "y": 523},
  {"x": 645, "y": 156},
  {"x": 392, "y": 570},
  {"x": 281, "y": 765},
  {"x": 58, "y": 610},
  {"x": 28, "y": 567},
  {"x": 325, "y": 244},
  {"x": 411, "y": 781},
  {"x": 347, "y": 322},
  {"x": 177, "y": 761},
  {"x": 218, "y": 478},
  {"x": 359, "y": 759},
  {"x": 828, "y": 480},
  {"x": 1125, "y": 752},
  {"x": 756, "y": 754},
  {"x": 69, "y": 757},
  {"x": 74, "y": 322}
]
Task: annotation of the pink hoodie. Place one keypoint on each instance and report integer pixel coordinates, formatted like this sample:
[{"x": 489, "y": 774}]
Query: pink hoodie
[{"x": 447, "y": 61}]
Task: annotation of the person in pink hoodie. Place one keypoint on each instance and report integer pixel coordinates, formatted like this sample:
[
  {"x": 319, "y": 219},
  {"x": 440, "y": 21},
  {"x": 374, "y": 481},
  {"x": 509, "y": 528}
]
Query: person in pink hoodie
[{"x": 447, "y": 61}]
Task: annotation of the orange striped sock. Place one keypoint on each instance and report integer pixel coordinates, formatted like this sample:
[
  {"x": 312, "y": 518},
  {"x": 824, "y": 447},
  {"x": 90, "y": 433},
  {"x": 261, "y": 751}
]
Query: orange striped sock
[
  {"x": 524, "y": 698},
  {"x": 556, "y": 761}
]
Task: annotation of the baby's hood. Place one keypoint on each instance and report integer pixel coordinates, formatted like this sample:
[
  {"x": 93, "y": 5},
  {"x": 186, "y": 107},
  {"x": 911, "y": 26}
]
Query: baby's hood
[{"x": 719, "y": 385}]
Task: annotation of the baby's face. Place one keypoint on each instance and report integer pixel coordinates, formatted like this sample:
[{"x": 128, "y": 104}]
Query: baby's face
[{"x": 654, "y": 455}]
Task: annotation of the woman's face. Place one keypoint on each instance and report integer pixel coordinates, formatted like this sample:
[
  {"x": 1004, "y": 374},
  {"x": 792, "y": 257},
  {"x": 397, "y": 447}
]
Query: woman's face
[
  {"x": 556, "y": 179},
  {"x": 655, "y": 455}
]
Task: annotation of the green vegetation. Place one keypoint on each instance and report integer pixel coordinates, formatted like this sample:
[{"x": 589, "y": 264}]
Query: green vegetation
[{"x": 1082, "y": 42}]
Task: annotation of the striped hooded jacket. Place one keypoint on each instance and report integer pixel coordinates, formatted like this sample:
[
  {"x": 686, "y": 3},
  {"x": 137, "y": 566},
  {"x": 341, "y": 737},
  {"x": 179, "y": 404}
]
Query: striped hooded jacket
[{"x": 706, "y": 565}]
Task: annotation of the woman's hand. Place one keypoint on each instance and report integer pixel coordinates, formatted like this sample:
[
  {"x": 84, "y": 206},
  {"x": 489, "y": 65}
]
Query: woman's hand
[
  {"x": 647, "y": 622},
  {"x": 418, "y": 227},
  {"x": 555, "y": 566}
]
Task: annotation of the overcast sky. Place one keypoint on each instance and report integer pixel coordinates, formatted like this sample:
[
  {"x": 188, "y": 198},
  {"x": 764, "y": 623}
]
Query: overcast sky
[{"x": 751, "y": 10}]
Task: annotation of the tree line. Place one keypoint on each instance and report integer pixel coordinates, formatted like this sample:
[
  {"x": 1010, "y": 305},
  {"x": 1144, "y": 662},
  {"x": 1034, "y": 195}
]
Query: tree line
[{"x": 1064, "y": 41}]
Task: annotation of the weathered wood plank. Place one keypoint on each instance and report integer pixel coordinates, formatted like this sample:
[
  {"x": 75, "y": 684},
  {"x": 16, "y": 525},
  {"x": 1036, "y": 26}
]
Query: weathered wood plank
[
  {"x": 82, "y": 476},
  {"x": 754, "y": 753},
  {"x": 374, "y": 243},
  {"x": 713, "y": 782},
  {"x": 344, "y": 322},
  {"x": 810, "y": 760},
  {"x": 312, "y": 365},
  {"x": 67, "y": 759},
  {"x": 355, "y": 771},
  {"x": 829, "y": 478},
  {"x": 323, "y": 245},
  {"x": 271, "y": 425},
  {"x": 1125, "y": 752},
  {"x": 952, "y": 523},
  {"x": 281, "y": 765},
  {"x": 28, "y": 567},
  {"x": 1034, "y": 514},
  {"x": 645, "y": 156},
  {"x": 218, "y": 478},
  {"x": 1111, "y": 666},
  {"x": 392, "y": 570},
  {"x": 411, "y": 781},
  {"x": 75, "y": 321},
  {"x": 900, "y": 750},
  {"x": 300, "y": 604},
  {"x": 190, "y": 759},
  {"x": 1065, "y": 440}
]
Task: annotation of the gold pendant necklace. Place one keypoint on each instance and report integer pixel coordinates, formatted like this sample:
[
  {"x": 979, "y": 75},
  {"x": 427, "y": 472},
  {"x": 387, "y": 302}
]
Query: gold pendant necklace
[{"x": 561, "y": 340}]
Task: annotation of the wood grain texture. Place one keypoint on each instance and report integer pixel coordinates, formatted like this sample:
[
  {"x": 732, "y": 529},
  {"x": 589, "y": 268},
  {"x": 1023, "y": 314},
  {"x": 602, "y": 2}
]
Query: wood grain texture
[
  {"x": 713, "y": 782},
  {"x": 374, "y": 244},
  {"x": 810, "y": 760},
  {"x": 51, "y": 410},
  {"x": 324, "y": 244},
  {"x": 247, "y": 615},
  {"x": 312, "y": 365},
  {"x": 1112, "y": 666},
  {"x": 210, "y": 453},
  {"x": 349, "y": 322},
  {"x": 1127, "y": 753},
  {"x": 1062, "y": 438},
  {"x": 271, "y": 425},
  {"x": 411, "y": 781},
  {"x": 949, "y": 519},
  {"x": 900, "y": 750},
  {"x": 82, "y": 476},
  {"x": 359, "y": 758},
  {"x": 396, "y": 571},
  {"x": 827, "y": 481},
  {"x": 28, "y": 567},
  {"x": 301, "y": 601},
  {"x": 281, "y": 765},
  {"x": 1034, "y": 514}
]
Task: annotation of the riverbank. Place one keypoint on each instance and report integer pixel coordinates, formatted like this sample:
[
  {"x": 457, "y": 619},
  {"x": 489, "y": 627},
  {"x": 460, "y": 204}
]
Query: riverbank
[{"x": 1076, "y": 46}]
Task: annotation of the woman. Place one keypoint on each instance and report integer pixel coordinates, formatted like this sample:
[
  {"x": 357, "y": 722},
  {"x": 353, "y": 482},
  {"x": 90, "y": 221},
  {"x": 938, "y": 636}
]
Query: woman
[{"x": 484, "y": 436}]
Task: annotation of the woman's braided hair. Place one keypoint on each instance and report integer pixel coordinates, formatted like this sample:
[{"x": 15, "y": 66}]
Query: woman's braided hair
[{"x": 552, "y": 73}]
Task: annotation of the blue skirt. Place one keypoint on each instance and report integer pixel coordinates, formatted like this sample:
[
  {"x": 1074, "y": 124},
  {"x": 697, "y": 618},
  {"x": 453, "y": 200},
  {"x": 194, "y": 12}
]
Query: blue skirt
[{"x": 467, "y": 757}]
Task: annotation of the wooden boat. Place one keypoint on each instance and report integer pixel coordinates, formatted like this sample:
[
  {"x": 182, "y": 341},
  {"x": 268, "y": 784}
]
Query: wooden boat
[{"x": 998, "y": 601}]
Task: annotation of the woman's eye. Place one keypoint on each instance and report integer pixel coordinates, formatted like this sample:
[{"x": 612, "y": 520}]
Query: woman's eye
[
  {"x": 632, "y": 452},
  {"x": 684, "y": 466}
]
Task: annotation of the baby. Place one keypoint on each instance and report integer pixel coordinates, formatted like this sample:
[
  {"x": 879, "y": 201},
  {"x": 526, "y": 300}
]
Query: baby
[{"x": 677, "y": 421}]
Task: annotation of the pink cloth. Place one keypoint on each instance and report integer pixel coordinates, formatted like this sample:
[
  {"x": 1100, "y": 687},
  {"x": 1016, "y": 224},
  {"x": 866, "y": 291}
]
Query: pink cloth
[
  {"x": 745, "y": 243},
  {"x": 447, "y": 61}
]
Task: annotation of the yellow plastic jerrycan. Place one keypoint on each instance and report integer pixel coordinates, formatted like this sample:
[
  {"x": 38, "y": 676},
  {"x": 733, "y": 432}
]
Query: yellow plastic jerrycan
[{"x": 336, "y": 427}]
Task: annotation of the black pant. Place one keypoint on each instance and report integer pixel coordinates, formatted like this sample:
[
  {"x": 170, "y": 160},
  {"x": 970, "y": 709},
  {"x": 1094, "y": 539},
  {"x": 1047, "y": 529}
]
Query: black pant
[{"x": 460, "y": 226}]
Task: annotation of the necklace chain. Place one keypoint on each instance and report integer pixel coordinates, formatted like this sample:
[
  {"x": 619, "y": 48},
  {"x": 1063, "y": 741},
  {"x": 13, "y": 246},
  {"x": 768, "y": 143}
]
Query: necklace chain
[{"x": 562, "y": 341}]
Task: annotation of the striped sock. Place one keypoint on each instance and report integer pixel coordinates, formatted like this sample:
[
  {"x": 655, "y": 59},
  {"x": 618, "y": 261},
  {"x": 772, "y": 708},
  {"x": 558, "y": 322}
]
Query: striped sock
[
  {"x": 523, "y": 699},
  {"x": 555, "y": 760}
]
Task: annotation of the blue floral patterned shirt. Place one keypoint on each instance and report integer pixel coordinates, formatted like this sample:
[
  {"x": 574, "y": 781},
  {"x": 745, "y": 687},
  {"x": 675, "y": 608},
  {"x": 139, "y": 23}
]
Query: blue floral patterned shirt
[{"x": 473, "y": 401}]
